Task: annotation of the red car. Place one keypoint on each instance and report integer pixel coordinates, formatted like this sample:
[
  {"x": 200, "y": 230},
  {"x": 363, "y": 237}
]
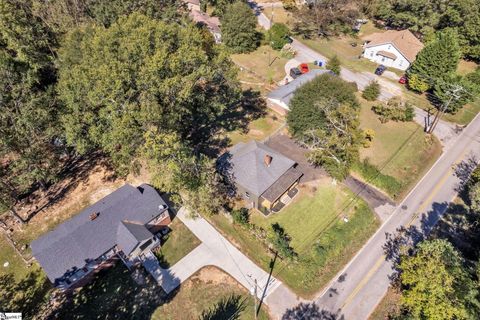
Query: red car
[
  {"x": 402, "y": 80},
  {"x": 304, "y": 68}
]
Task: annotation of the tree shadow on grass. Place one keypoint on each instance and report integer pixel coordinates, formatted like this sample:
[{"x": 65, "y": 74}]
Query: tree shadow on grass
[{"x": 228, "y": 308}]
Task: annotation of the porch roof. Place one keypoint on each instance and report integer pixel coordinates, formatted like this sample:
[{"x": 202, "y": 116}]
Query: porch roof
[{"x": 279, "y": 187}]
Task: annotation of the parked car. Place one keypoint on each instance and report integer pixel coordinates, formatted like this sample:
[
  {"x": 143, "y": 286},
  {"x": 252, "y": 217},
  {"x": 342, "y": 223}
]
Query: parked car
[
  {"x": 289, "y": 39},
  {"x": 295, "y": 73},
  {"x": 380, "y": 70},
  {"x": 403, "y": 79},
  {"x": 304, "y": 68}
]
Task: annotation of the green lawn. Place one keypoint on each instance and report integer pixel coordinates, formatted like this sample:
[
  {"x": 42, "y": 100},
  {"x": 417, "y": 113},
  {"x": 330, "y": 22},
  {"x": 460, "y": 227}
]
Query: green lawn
[
  {"x": 211, "y": 290},
  {"x": 324, "y": 242},
  {"x": 179, "y": 243},
  {"x": 258, "y": 129},
  {"x": 402, "y": 147},
  {"x": 16, "y": 265}
]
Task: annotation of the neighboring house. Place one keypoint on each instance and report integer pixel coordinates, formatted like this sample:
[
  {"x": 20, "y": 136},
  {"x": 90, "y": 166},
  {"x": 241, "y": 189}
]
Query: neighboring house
[
  {"x": 396, "y": 49},
  {"x": 264, "y": 178},
  {"x": 121, "y": 225},
  {"x": 203, "y": 19},
  {"x": 279, "y": 99}
]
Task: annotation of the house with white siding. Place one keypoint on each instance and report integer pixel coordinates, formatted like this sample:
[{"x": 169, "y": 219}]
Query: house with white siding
[{"x": 395, "y": 49}]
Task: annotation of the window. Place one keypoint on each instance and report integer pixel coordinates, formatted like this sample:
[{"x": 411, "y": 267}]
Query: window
[{"x": 247, "y": 195}]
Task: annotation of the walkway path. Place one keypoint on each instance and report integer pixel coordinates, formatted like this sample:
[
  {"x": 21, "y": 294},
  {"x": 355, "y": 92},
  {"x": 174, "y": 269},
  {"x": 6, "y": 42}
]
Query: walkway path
[{"x": 217, "y": 251}]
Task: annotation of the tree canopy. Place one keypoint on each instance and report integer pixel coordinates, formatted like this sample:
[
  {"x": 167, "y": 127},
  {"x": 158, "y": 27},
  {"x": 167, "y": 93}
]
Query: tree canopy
[
  {"x": 238, "y": 28},
  {"x": 323, "y": 117},
  {"x": 140, "y": 73},
  {"x": 277, "y": 36}
]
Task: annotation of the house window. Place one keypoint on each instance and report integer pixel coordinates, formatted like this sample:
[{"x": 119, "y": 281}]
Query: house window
[{"x": 247, "y": 195}]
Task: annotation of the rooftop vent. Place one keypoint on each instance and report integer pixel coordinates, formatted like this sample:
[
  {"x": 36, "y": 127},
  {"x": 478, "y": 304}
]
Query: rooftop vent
[
  {"x": 94, "y": 215},
  {"x": 268, "y": 160},
  {"x": 161, "y": 207}
]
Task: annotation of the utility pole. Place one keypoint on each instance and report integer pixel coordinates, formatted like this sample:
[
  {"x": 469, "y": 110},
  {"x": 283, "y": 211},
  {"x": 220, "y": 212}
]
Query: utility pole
[
  {"x": 453, "y": 94},
  {"x": 255, "y": 299}
]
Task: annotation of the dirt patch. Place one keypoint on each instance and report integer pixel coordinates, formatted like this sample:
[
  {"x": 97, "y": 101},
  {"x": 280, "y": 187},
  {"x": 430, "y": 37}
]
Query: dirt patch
[
  {"x": 255, "y": 133},
  {"x": 213, "y": 275}
]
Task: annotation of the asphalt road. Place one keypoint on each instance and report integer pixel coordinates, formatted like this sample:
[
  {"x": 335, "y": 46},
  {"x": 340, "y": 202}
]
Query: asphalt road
[{"x": 356, "y": 290}]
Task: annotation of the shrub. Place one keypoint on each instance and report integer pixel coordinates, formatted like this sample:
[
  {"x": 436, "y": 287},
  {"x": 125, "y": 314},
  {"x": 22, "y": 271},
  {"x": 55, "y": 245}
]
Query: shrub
[
  {"x": 277, "y": 36},
  {"x": 289, "y": 4},
  {"x": 334, "y": 65},
  {"x": 372, "y": 91},
  {"x": 395, "y": 109},
  {"x": 415, "y": 83},
  {"x": 368, "y": 135},
  {"x": 281, "y": 242},
  {"x": 241, "y": 216}
]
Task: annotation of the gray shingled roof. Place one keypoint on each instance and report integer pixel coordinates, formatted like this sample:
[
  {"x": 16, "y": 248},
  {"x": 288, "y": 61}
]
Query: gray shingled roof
[
  {"x": 79, "y": 240},
  {"x": 282, "y": 184},
  {"x": 130, "y": 234},
  {"x": 249, "y": 169},
  {"x": 285, "y": 93}
]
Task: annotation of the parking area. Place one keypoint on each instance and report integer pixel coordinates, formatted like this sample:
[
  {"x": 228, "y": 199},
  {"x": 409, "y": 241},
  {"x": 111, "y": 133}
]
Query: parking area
[{"x": 287, "y": 146}]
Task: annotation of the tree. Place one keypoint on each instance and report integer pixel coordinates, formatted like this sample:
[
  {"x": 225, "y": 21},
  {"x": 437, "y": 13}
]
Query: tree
[
  {"x": 334, "y": 65},
  {"x": 241, "y": 216},
  {"x": 116, "y": 83},
  {"x": 416, "y": 83},
  {"x": 277, "y": 36},
  {"x": 395, "y": 109},
  {"x": 453, "y": 93},
  {"x": 280, "y": 240},
  {"x": 474, "y": 197},
  {"x": 326, "y": 18},
  {"x": 238, "y": 28},
  {"x": 177, "y": 170},
  {"x": 436, "y": 285},
  {"x": 323, "y": 118},
  {"x": 372, "y": 91},
  {"x": 474, "y": 79},
  {"x": 438, "y": 59}
]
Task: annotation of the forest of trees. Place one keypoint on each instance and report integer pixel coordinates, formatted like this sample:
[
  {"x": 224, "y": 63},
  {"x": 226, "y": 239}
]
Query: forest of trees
[{"x": 88, "y": 76}]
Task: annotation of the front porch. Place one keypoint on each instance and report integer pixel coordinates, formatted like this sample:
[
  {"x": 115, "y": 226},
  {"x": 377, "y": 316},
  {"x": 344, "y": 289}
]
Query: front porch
[{"x": 278, "y": 205}]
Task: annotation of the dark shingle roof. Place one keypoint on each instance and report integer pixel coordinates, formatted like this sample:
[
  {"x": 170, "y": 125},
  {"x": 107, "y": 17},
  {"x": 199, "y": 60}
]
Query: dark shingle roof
[
  {"x": 130, "y": 234},
  {"x": 282, "y": 184},
  {"x": 249, "y": 169},
  {"x": 78, "y": 240}
]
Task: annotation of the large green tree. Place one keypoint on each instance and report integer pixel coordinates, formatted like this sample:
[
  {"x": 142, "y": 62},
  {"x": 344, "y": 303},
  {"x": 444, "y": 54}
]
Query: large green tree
[
  {"x": 438, "y": 60},
  {"x": 323, "y": 117},
  {"x": 139, "y": 73},
  {"x": 238, "y": 28},
  {"x": 277, "y": 36},
  {"x": 436, "y": 284}
]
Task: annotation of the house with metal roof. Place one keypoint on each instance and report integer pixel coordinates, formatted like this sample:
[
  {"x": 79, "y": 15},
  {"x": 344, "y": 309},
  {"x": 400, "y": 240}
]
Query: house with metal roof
[
  {"x": 122, "y": 225},
  {"x": 279, "y": 99},
  {"x": 392, "y": 48},
  {"x": 264, "y": 178}
]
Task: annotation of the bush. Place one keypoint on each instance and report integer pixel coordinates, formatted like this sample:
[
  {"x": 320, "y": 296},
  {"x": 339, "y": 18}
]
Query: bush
[
  {"x": 334, "y": 65},
  {"x": 415, "y": 83},
  {"x": 395, "y": 109},
  {"x": 241, "y": 216},
  {"x": 372, "y": 91},
  {"x": 281, "y": 242},
  {"x": 289, "y": 4},
  {"x": 277, "y": 36},
  {"x": 368, "y": 135}
]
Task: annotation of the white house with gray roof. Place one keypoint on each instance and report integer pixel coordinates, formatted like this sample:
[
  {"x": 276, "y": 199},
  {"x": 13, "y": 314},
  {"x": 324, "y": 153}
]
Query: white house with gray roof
[
  {"x": 279, "y": 99},
  {"x": 121, "y": 225},
  {"x": 263, "y": 177}
]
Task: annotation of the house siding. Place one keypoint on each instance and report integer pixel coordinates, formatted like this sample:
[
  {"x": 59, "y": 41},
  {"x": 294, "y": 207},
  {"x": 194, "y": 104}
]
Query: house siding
[{"x": 400, "y": 63}]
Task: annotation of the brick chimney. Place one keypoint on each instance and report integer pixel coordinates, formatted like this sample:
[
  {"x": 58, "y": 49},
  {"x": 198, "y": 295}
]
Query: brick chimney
[{"x": 268, "y": 160}]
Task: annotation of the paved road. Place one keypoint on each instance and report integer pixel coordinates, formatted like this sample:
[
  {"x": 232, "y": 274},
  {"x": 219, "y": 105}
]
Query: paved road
[
  {"x": 217, "y": 251},
  {"x": 365, "y": 279}
]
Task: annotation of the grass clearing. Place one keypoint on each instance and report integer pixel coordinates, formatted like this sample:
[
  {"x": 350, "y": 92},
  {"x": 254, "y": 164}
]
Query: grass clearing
[
  {"x": 416, "y": 155},
  {"x": 465, "y": 67},
  {"x": 16, "y": 265},
  {"x": 258, "y": 129},
  {"x": 179, "y": 243},
  {"x": 263, "y": 65},
  {"x": 206, "y": 290},
  {"x": 309, "y": 220}
]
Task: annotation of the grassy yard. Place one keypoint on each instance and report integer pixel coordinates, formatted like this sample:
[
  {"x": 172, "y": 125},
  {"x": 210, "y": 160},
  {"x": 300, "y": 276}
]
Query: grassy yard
[
  {"x": 324, "y": 243},
  {"x": 263, "y": 65},
  {"x": 16, "y": 266},
  {"x": 209, "y": 294},
  {"x": 402, "y": 147},
  {"x": 258, "y": 129},
  {"x": 280, "y": 15},
  {"x": 179, "y": 243}
]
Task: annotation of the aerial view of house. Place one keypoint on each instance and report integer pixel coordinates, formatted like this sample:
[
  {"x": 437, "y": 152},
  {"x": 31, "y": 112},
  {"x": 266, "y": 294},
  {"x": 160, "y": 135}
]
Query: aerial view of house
[
  {"x": 122, "y": 225},
  {"x": 396, "y": 49},
  {"x": 264, "y": 178}
]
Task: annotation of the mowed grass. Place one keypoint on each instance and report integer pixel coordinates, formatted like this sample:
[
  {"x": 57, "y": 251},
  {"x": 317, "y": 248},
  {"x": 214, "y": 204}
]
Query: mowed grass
[
  {"x": 205, "y": 291},
  {"x": 258, "y": 129},
  {"x": 323, "y": 241},
  {"x": 263, "y": 65},
  {"x": 179, "y": 243},
  {"x": 400, "y": 150},
  {"x": 16, "y": 265}
]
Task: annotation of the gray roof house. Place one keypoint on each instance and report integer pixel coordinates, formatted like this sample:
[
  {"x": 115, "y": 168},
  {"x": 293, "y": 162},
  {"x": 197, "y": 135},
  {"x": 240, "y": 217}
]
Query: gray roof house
[
  {"x": 261, "y": 175},
  {"x": 281, "y": 96},
  {"x": 121, "y": 224}
]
